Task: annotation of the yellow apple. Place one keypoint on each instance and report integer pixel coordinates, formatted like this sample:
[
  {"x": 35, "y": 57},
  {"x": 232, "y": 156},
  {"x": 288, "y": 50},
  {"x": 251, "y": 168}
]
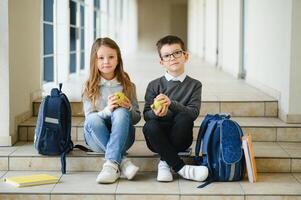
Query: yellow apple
[
  {"x": 120, "y": 97},
  {"x": 156, "y": 105}
]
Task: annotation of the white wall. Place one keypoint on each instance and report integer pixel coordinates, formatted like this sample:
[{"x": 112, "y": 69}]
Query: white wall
[
  {"x": 89, "y": 33},
  {"x": 129, "y": 36},
  {"x": 155, "y": 21},
  {"x": 295, "y": 72},
  {"x": 62, "y": 42},
  {"x": 4, "y": 74},
  {"x": 24, "y": 57},
  {"x": 192, "y": 31},
  {"x": 211, "y": 31},
  {"x": 229, "y": 40},
  {"x": 196, "y": 27},
  {"x": 268, "y": 45}
]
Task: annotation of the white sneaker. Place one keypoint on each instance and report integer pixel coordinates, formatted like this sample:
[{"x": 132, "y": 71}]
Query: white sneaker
[
  {"x": 128, "y": 169},
  {"x": 164, "y": 173},
  {"x": 195, "y": 173},
  {"x": 109, "y": 173}
]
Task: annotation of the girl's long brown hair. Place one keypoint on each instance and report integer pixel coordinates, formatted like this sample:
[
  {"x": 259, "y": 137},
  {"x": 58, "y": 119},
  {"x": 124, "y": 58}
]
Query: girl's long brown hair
[{"x": 91, "y": 87}]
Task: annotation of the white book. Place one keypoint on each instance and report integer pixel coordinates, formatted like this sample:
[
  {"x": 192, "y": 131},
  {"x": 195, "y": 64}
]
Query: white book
[{"x": 248, "y": 160}]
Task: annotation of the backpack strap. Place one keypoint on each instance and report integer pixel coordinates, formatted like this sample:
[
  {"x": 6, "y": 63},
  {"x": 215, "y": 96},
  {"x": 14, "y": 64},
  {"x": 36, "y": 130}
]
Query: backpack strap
[
  {"x": 40, "y": 123},
  {"x": 201, "y": 134},
  {"x": 83, "y": 148},
  {"x": 209, "y": 181},
  {"x": 60, "y": 87},
  {"x": 210, "y": 130},
  {"x": 63, "y": 162},
  {"x": 69, "y": 142}
]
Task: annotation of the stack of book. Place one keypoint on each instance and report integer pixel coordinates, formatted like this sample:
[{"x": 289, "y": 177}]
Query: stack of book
[{"x": 250, "y": 158}]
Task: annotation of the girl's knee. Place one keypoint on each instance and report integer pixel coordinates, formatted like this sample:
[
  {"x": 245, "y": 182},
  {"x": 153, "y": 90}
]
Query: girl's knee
[
  {"x": 121, "y": 114},
  {"x": 94, "y": 122},
  {"x": 121, "y": 111}
]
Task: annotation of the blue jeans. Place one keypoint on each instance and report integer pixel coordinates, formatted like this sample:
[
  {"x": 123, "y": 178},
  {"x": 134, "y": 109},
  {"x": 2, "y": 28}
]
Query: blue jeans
[{"x": 114, "y": 136}]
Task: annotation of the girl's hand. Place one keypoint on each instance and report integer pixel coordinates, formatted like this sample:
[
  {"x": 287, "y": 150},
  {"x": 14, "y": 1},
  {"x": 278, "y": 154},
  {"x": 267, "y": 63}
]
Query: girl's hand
[
  {"x": 126, "y": 103},
  {"x": 163, "y": 99},
  {"x": 112, "y": 102}
]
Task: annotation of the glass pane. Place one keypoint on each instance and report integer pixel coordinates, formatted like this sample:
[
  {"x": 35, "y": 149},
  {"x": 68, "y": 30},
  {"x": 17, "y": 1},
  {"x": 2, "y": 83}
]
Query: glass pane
[
  {"x": 48, "y": 69},
  {"x": 48, "y": 10},
  {"x": 94, "y": 18},
  {"x": 82, "y": 16},
  {"x": 72, "y": 13},
  {"x": 82, "y": 60},
  {"x": 72, "y": 62},
  {"x": 82, "y": 39},
  {"x": 48, "y": 39},
  {"x": 121, "y": 9},
  {"x": 72, "y": 39},
  {"x": 108, "y": 8},
  {"x": 96, "y": 4}
]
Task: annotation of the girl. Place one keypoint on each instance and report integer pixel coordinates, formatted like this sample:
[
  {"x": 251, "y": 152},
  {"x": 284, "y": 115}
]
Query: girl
[{"x": 109, "y": 122}]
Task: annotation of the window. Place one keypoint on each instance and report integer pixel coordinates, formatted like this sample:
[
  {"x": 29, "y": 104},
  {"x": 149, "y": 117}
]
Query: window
[
  {"x": 77, "y": 35},
  {"x": 82, "y": 37},
  {"x": 96, "y": 19},
  {"x": 48, "y": 41},
  {"x": 73, "y": 36}
]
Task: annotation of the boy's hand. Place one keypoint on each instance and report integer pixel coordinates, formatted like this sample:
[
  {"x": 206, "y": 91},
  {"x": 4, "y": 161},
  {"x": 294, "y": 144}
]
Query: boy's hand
[
  {"x": 112, "y": 102},
  {"x": 162, "y": 111},
  {"x": 163, "y": 99},
  {"x": 126, "y": 103}
]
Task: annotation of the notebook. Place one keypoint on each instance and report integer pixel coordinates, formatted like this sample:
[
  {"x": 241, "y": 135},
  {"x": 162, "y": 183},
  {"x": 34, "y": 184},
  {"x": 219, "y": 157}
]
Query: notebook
[
  {"x": 30, "y": 180},
  {"x": 250, "y": 158}
]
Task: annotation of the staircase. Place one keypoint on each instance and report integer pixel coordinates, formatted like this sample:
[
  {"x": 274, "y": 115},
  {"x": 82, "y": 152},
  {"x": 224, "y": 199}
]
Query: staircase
[{"x": 277, "y": 147}]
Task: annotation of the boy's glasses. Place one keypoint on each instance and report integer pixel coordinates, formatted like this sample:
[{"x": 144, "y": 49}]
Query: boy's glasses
[{"x": 176, "y": 54}]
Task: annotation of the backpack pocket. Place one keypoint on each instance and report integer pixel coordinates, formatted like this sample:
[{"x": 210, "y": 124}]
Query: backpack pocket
[{"x": 51, "y": 142}]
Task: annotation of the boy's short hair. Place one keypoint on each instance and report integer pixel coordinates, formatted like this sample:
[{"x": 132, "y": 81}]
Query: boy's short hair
[{"x": 170, "y": 39}]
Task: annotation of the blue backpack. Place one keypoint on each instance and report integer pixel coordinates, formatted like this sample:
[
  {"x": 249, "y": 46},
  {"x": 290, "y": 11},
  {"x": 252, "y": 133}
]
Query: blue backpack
[
  {"x": 219, "y": 140},
  {"x": 53, "y": 129}
]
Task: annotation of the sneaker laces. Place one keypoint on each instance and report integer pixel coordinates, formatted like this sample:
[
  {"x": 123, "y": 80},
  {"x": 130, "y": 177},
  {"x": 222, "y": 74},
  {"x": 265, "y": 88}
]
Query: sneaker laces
[
  {"x": 110, "y": 167},
  {"x": 163, "y": 165}
]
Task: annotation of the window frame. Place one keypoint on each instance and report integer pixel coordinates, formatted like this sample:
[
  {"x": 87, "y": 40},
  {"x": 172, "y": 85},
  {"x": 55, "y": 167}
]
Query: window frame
[{"x": 43, "y": 46}]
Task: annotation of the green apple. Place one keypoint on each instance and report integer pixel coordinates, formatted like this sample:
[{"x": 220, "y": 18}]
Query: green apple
[
  {"x": 120, "y": 97},
  {"x": 156, "y": 105}
]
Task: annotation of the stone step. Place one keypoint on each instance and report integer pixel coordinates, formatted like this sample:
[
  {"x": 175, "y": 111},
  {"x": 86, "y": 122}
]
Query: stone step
[
  {"x": 262, "y": 129},
  {"x": 239, "y": 108},
  {"x": 81, "y": 185},
  {"x": 270, "y": 157}
]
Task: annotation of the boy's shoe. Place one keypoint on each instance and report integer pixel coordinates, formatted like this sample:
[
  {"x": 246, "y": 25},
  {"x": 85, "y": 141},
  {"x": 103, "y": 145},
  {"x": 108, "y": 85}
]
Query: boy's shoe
[
  {"x": 109, "y": 173},
  {"x": 128, "y": 169},
  {"x": 164, "y": 173},
  {"x": 195, "y": 173}
]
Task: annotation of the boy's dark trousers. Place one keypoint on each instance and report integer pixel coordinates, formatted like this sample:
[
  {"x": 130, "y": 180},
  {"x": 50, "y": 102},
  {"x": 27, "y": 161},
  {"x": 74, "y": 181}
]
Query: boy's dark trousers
[{"x": 168, "y": 137}]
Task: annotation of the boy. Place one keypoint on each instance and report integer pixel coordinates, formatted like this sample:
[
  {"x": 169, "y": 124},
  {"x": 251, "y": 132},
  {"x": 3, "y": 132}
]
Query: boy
[{"x": 172, "y": 103}]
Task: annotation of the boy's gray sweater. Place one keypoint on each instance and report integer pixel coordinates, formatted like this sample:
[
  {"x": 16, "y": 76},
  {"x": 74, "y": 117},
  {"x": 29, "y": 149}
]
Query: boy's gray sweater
[{"x": 185, "y": 97}]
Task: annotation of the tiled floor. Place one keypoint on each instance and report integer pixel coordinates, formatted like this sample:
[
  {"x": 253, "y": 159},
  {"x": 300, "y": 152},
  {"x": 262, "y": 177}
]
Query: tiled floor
[
  {"x": 2, "y": 173},
  {"x": 142, "y": 68},
  {"x": 78, "y": 185}
]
